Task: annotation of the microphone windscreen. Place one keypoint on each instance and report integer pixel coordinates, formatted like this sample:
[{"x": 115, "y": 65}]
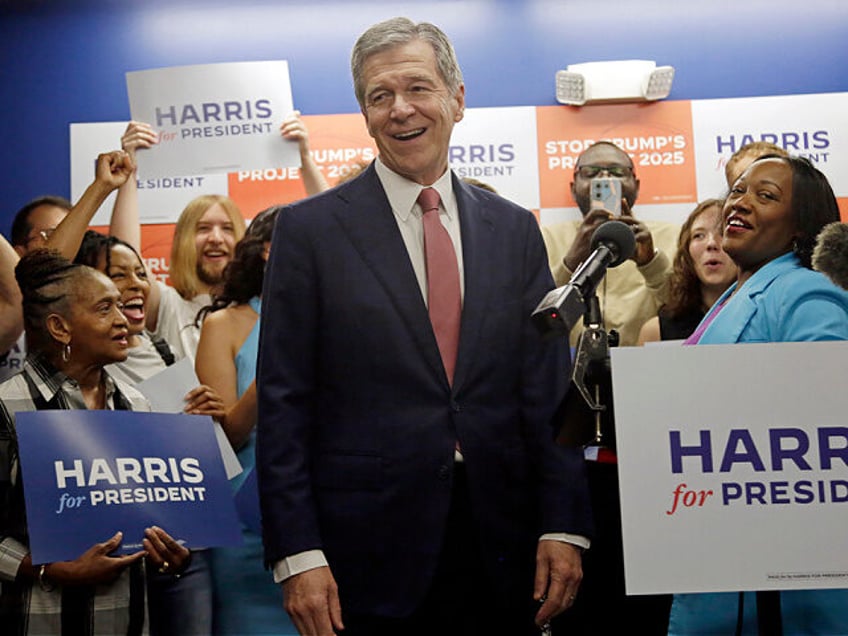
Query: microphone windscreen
[
  {"x": 830, "y": 255},
  {"x": 618, "y": 237}
]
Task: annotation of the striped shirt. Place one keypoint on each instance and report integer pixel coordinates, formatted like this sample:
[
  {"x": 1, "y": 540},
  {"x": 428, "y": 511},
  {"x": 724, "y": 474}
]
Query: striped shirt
[{"x": 25, "y": 608}]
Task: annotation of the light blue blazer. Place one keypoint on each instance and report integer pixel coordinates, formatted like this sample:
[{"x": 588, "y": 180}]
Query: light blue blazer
[{"x": 782, "y": 302}]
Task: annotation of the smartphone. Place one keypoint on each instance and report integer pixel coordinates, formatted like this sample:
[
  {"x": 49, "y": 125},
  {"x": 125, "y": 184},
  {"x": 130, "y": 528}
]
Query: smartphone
[{"x": 606, "y": 194}]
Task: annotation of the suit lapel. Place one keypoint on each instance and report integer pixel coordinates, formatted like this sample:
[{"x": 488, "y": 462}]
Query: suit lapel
[
  {"x": 476, "y": 230},
  {"x": 739, "y": 311},
  {"x": 369, "y": 222}
]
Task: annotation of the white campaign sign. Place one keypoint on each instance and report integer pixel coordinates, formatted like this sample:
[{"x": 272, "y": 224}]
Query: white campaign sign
[
  {"x": 213, "y": 118},
  {"x": 504, "y": 156},
  {"x": 160, "y": 200},
  {"x": 811, "y": 126},
  {"x": 733, "y": 466}
]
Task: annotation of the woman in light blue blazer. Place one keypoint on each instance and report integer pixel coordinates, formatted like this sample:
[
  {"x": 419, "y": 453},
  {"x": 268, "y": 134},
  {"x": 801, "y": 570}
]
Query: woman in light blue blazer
[{"x": 771, "y": 219}]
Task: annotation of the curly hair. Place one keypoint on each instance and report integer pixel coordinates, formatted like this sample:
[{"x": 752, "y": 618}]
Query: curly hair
[
  {"x": 244, "y": 274},
  {"x": 684, "y": 286}
]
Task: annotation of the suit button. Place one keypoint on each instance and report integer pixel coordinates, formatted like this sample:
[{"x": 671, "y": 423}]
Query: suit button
[
  {"x": 444, "y": 472},
  {"x": 455, "y": 407}
]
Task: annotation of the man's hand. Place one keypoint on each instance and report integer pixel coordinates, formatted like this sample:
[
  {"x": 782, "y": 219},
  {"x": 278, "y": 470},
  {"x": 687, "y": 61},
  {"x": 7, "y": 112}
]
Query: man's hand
[
  {"x": 644, "y": 241},
  {"x": 581, "y": 247},
  {"x": 311, "y": 598},
  {"x": 558, "y": 574}
]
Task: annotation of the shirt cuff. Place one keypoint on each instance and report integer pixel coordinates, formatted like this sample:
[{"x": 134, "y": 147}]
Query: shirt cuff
[
  {"x": 12, "y": 552},
  {"x": 298, "y": 563},
  {"x": 563, "y": 537}
]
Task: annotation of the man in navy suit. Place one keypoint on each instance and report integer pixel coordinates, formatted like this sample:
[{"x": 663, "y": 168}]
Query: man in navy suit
[{"x": 405, "y": 490}]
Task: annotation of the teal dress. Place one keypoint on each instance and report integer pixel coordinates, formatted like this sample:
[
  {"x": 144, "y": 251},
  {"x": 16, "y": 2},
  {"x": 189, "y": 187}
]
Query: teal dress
[{"x": 247, "y": 601}]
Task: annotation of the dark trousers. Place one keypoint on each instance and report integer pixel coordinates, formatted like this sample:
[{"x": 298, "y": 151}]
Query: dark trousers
[
  {"x": 461, "y": 601},
  {"x": 602, "y": 606}
]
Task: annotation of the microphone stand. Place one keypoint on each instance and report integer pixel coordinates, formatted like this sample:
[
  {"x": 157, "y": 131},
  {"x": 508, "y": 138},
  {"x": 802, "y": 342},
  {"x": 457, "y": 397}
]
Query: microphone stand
[{"x": 591, "y": 361}]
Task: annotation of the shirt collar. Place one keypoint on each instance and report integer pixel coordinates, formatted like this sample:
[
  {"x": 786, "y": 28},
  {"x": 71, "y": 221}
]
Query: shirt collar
[
  {"x": 48, "y": 380},
  {"x": 403, "y": 193}
]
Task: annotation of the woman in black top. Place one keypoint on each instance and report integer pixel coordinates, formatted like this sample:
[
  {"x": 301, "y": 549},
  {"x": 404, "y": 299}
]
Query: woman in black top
[{"x": 701, "y": 273}]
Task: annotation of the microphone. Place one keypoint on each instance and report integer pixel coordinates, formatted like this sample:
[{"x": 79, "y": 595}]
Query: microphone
[
  {"x": 560, "y": 309},
  {"x": 830, "y": 255}
]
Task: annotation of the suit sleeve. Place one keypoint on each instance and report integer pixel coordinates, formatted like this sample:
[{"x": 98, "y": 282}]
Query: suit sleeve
[
  {"x": 286, "y": 387},
  {"x": 564, "y": 497}
]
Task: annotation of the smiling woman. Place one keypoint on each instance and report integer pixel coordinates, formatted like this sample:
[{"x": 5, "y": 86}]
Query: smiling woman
[
  {"x": 74, "y": 327},
  {"x": 771, "y": 219},
  {"x": 700, "y": 274}
]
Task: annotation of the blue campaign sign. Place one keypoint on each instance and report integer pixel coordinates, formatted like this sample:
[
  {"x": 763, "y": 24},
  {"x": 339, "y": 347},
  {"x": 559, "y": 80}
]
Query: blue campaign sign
[{"x": 89, "y": 474}]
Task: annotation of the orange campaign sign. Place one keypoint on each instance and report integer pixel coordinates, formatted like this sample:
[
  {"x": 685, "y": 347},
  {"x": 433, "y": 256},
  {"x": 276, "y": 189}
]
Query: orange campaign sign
[
  {"x": 658, "y": 136},
  {"x": 156, "y": 249},
  {"x": 337, "y": 143}
]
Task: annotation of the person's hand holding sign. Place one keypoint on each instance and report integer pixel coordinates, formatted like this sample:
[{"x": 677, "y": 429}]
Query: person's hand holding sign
[
  {"x": 94, "y": 567},
  {"x": 164, "y": 552}
]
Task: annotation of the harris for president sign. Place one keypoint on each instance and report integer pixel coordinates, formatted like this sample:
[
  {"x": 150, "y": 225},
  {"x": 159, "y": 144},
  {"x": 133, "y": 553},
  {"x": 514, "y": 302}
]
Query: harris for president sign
[{"x": 89, "y": 474}]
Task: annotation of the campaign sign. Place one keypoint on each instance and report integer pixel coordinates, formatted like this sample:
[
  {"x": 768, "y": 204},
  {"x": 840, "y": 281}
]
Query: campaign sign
[
  {"x": 213, "y": 118},
  {"x": 160, "y": 200},
  {"x": 810, "y": 126},
  {"x": 733, "y": 466},
  {"x": 88, "y": 474}
]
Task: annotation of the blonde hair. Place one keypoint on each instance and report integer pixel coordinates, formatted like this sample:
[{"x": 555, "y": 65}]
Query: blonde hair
[{"x": 183, "y": 267}]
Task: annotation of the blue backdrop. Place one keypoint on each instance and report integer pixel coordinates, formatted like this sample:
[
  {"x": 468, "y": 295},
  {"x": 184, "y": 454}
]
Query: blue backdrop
[{"x": 64, "y": 61}]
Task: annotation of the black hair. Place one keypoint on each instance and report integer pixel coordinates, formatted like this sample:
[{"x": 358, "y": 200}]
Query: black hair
[
  {"x": 94, "y": 245},
  {"x": 21, "y": 227},
  {"x": 813, "y": 203},
  {"x": 46, "y": 279}
]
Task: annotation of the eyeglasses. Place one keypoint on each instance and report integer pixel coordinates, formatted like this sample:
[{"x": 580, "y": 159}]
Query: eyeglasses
[
  {"x": 590, "y": 172},
  {"x": 42, "y": 234}
]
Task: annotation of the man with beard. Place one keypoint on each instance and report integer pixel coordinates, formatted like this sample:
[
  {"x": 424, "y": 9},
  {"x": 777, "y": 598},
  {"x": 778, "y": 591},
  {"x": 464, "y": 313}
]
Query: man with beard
[
  {"x": 632, "y": 292},
  {"x": 204, "y": 240},
  {"x": 629, "y": 295},
  {"x": 203, "y": 244}
]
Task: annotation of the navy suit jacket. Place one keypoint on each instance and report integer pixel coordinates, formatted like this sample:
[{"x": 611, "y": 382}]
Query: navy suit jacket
[{"x": 357, "y": 420}]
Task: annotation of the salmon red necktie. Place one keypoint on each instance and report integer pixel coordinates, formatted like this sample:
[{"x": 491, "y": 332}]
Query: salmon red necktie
[{"x": 443, "y": 296}]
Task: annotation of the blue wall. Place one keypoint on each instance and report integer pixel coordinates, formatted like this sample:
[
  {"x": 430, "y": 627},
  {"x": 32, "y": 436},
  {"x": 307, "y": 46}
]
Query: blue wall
[{"x": 64, "y": 61}]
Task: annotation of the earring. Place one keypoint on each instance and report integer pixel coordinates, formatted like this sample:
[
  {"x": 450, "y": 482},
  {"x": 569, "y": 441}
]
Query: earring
[{"x": 66, "y": 352}]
